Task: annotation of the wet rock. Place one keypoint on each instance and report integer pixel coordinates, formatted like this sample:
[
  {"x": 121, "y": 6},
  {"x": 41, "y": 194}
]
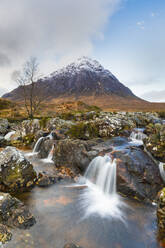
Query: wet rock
[
  {"x": 72, "y": 245},
  {"x": 155, "y": 142},
  {"x": 138, "y": 175},
  {"x": 16, "y": 172},
  {"x": 57, "y": 124},
  {"x": 79, "y": 153},
  {"x": 5, "y": 234},
  {"x": 14, "y": 213},
  {"x": 2, "y": 141},
  {"x": 30, "y": 127},
  {"x": 161, "y": 213},
  {"x": 45, "y": 147},
  {"x": 45, "y": 179},
  {"x": 4, "y": 126}
]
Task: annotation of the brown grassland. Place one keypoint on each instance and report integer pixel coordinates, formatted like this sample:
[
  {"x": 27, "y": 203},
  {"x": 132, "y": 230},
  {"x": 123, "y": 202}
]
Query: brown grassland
[{"x": 16, "y": 110}]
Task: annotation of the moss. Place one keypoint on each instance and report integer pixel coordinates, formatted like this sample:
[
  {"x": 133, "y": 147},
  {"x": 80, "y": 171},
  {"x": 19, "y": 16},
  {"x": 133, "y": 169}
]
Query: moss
[
  {"x": 28, "y": 139},
  {"x": 161, "y": 114},
  {"x": 14, "y": 175},
  {"x": 43, "y": 121},
  {"x": 83, "y": 131}
]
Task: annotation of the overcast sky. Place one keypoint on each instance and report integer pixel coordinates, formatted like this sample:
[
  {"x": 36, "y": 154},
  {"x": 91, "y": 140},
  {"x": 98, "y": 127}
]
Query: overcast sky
[{"x": 126, "y": 36}]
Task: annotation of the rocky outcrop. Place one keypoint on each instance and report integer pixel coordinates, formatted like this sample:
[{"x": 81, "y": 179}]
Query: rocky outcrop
[
  {"x": 155, "y": 143},
  {"x": 161, "y": 213},
  {"x": 16, "y": 172},
  {"x": 5, "y": 234},
  {"x": 13, "y": 212},
  {"x": 77, "y": 154},
  {"x": 4, "y": 126},
  {"x": 137, "y": 174}
]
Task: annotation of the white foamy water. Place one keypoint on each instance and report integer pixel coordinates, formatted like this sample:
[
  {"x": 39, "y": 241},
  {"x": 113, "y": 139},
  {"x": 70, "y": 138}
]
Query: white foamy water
[
  {"x": 49, "y": 159},
  {"x": 100, "y": 196},
  {"x": 9, "y": 135},
  {"x": 137, "y": 136},
  {"x": 37, "y": 145},
  {"x": 162, "y": 171}
]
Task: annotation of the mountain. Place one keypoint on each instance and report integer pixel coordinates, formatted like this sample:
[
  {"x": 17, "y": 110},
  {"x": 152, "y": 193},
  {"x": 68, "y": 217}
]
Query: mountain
[{"x": 85, "y": 77}]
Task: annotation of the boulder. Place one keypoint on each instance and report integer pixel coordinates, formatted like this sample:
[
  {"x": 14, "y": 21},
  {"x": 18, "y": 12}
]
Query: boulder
[
  {"x": 14, "y": 213},
  {"x": 5, "y": 234},
  {"x": 30, "y": 127},
  {"x": 161, "y": 213},
  {"x": 16, "y": 172},
  {"x": 79, "y": 153},
  {"x": 155, "y": 142},
  {"x": 4, "y": 126},
  {"x": 45, "y": 147},
  {"x": 138, "y": 175},
  {"x": 45, "y": 179}
]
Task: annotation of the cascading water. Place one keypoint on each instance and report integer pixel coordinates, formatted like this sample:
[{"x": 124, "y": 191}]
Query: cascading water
[
  {"x": 37, "y": 145},
  {"x": 137, "y": 136},
  {"x": 100, "y": 196},
  {"x": 9, "y": 135},
  {"x": 162, "y": 170},
  {"x": 102, "y": 172},
  {"x": 49, "y": 159}
]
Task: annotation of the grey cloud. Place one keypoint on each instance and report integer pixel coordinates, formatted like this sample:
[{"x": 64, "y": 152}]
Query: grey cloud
[
  {"x": 158, "y": 96},
  {"x": 4, "y": 60},
  {"x": 59, "y": 27}
]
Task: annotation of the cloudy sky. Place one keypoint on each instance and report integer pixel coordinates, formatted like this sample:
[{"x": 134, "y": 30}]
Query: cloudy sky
[{"x": 126, "y": 36}]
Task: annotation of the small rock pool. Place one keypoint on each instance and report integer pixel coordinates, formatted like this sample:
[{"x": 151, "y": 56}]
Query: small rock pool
[{"x": 61, "y": 219}]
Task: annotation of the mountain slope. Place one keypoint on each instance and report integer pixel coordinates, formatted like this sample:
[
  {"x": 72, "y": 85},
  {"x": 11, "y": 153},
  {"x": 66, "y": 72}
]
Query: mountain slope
[{"x": 85, "y": 77}]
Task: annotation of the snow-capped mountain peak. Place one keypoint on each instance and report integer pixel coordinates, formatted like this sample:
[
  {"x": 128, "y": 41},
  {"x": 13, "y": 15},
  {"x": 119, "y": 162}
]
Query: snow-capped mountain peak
[{"x": 82, "y": 64}]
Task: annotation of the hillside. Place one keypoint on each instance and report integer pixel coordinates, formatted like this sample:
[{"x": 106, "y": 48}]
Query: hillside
[{"x": 86, "y": 80}]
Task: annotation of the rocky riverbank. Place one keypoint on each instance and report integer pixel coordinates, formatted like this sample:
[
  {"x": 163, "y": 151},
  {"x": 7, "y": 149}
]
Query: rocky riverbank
[{"x": 71, "y": 142}]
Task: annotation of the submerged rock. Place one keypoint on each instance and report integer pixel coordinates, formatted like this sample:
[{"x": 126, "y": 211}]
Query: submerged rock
[
  {"x": 71, "y": 245},
  {"x": 138, "y": 175},
  {"x": 5, "y": 234},
  {"x": 14, "y": 213},
  {"x": 45, "y": 179},
  {"x": 16, "y": 172}
]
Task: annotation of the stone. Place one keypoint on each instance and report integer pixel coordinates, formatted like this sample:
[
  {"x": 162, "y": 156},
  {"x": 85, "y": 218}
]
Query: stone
[
  {"x": 4, "y": 126},
  {"x": 16, "y": 172},
  {"x": 138, "y": 176},
  {"x": 155, "y": 142},
  {"x": 5, "y": 234},
  {"x": 161, "y": 213},
  {"x": 14, "y": 213},
  {"x": 72, "y": 245}
]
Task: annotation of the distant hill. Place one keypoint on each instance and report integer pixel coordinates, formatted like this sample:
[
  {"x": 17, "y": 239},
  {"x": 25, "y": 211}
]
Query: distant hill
[{"x": 86, "y": 80}]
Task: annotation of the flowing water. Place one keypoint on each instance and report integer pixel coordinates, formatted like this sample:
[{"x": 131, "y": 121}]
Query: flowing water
[
  {"x": 137, "y": 136},
  {"x": 37, "y": 145},
  {"x": 49, "y": 159},
  {"x": 92, "y": 215}
]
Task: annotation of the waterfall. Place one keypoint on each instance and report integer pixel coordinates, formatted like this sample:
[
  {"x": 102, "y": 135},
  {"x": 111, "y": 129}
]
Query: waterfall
[
  {"x": 162, "y": 170},
  {"x": 137, "y": 136},
  {"x": 37, "y": 145},
  {"x": 99, "y": 195},
  {"x": 9, "y": 135},
  {"x": 102, "y": 172},
  {"x": 49, "y": 159}
]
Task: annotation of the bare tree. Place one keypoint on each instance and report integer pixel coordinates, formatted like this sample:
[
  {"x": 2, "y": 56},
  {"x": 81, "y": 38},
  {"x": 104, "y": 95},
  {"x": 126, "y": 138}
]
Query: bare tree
[{"x": 27, "y": 79}]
